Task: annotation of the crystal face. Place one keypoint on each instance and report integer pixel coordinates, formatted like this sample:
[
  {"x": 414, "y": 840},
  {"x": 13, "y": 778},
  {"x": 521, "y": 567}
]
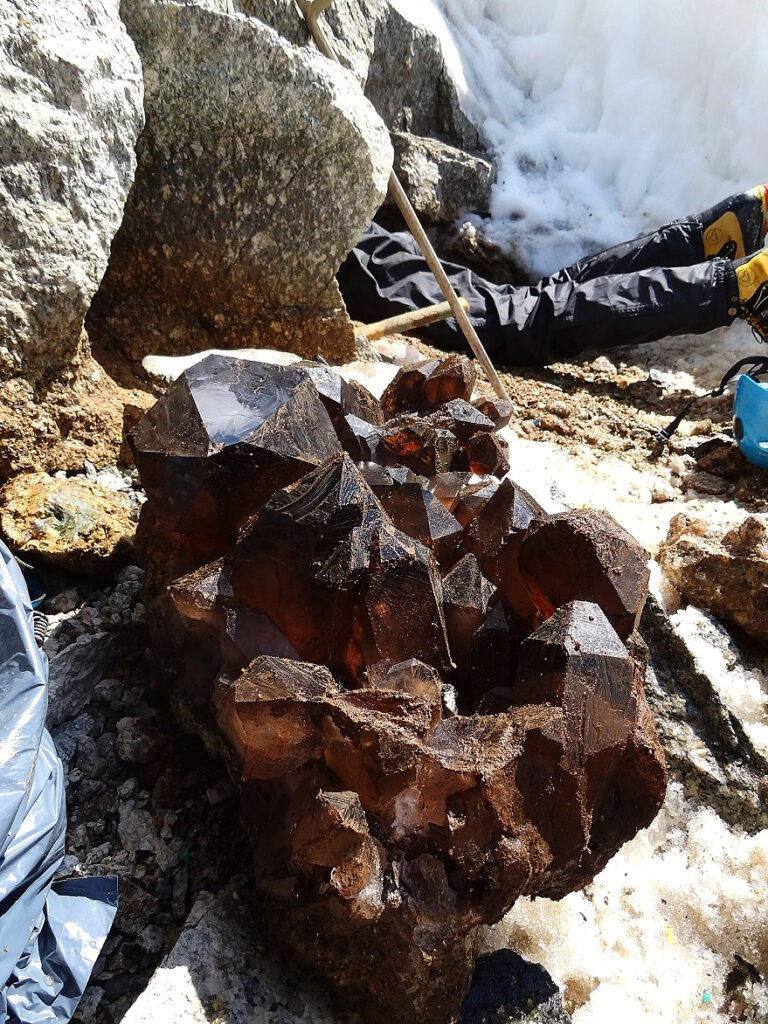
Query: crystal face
[
  {"x": 423, "y": 387},
  {"x": 430, "y": 689},
  {"x": 211, "y": 451}
]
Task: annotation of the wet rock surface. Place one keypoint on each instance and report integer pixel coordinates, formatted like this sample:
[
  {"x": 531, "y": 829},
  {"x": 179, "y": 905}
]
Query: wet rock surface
[{"x": 390, "y": 825}]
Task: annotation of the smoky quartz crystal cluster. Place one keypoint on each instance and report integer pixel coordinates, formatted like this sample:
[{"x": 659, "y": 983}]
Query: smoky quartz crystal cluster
[{"x": 430, "y": 690}]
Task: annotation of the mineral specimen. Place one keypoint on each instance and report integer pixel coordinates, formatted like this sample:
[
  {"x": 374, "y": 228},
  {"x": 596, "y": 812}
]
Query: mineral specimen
[{"x": 430, "y": 690}]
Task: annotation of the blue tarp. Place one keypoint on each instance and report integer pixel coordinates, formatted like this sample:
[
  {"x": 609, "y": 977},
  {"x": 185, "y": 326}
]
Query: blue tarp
[{"x": 50, "y": 932}]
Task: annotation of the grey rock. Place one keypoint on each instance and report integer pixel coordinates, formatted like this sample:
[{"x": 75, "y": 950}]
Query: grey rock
[
  {"x": 137, "y": 741},
  {"x": 401, "y": 67},
  {"x": 88, "y": 760},
  {"x": 63, "y": 602},
  {"x": 74, "y": 672},
  {"x": 708, "y": 747},
  {"x": 220, "y": 970},
  {"x": 70, "y": 113},
  {"x": 89, "y": 1003},
  {"x": 66, "y": 736},
  {"x": 135, "y": 909},
  {"x": 399, "y": 63},
  {"x": 138, "y": 833},
  {"x": 259, "y": 167},
  {"x": 151, "y": 939},
  {"x": 109, "y": 689},
  {"x": 441, "y": 181}
]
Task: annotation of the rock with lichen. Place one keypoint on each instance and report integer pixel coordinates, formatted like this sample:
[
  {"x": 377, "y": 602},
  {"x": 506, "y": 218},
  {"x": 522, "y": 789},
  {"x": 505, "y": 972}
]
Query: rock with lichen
[
  {"x": 721, "y": 567},
  {"x": 72, "y": 524}
]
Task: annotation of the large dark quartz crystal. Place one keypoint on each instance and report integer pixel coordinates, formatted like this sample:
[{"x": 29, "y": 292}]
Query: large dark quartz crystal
[{"x": 430, "y": 690}]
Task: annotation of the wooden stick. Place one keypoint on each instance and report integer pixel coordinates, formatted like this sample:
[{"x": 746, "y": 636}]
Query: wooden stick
[
  {"x": 409, "y": 321},
  {"x": 311, "y": 9}
]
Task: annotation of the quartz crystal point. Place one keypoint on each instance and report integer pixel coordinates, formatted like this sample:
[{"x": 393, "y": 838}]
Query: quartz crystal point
[
  {"x": 341, "y": 583},
  {"x": 462, "y": 419},
  {"x": 467, "y": 597},
  {"x": 487, "y": 454},
  {"x": 585, "y": 555},
  {"x": 498, "y": 410},
  {"x": 414, "y": 509},
  {"x": 496, "y": 535},
  {"x": 342, "y": 397},
  {"x": 463, "y": 494},
  {"x": 576, "y": 662},
  {"x": 211, "y": 451},
  {"x": 423, "y": 387},
  {"x": 411, "y": 676},
  {"x": 272, "y": 715},
  {"x": 421, "y": 447}
]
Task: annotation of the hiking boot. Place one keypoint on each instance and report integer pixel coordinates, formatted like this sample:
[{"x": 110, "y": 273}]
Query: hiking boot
[
  {"x": 752, "y": 279},
  {"x": 736, "y": 226}
]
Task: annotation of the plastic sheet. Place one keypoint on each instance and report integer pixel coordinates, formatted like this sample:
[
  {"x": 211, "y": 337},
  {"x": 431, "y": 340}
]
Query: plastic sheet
[{"x": 50, "y": 932}]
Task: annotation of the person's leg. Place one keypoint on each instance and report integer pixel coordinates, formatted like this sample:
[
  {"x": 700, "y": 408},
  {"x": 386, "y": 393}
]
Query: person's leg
[
  {"x": 386, "y": 274},
  {"x": 624, "y": 309},
  {"x": 558, "y": 317},
  {"x": 733, "y": 228}
]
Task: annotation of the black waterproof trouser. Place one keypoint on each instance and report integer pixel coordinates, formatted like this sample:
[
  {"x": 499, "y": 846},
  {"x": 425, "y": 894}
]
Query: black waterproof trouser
[{"x": 656, "y": 285}]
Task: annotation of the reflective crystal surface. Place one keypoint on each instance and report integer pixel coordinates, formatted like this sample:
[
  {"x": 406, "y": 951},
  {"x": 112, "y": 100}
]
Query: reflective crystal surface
[
  {"x": 487, "y": 454},
  {"x": 414, "y": 509},
  {"x": 421, "y": 447},
  {"x": 495, "y": 535},
  {"x": 462, "y": 419},
  {"x": 214, "y": 448},
  {"x": 422, "y": 387},
  {"x": 498, "y": 410}
]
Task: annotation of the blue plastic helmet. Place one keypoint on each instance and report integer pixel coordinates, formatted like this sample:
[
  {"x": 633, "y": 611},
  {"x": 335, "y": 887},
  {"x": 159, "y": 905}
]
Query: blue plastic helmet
[{"x": 750, "y": 420}]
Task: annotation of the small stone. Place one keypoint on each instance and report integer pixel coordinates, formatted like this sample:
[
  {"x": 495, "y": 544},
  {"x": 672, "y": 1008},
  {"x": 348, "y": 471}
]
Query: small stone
[
  {"x": 151, "y": 939},
  {"x": 179, "y": 897},
  {"x": 137, "y": 741},
  {"x": 109, "y": 689},
  {"x": 63, "y": 602},
  {"x": 89, "y": 1003},
  {"x": 138, "y": 833},
  {"x": 74, "y": 672}
]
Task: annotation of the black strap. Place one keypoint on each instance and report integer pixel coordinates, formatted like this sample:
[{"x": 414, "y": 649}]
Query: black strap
[{"x": 758, "y": 368}]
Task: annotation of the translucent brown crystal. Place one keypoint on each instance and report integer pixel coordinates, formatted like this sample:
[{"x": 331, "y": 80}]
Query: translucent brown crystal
[
  {"x": 487, "y": 454},
  {"x": 585, "y": 555},
  {"x": 423, "y": 387},
  {"x": 421, "y": 678},
  {"x": 214, "y": 448},
  {"x": 496, "y": 535},
  {"x": 421, "y": 447},
  {"x": 414, "y": 509},
  {"x": 498, "y": 410}
]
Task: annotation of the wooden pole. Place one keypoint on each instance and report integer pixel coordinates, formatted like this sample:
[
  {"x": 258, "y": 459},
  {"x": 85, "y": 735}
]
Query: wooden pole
[
  {"x": 311, "y": 10},
  {"x": 409, "y": 321}
]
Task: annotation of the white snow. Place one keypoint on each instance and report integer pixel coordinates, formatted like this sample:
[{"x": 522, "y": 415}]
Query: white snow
[
  {"x": 608, "y": 119},
  {"x": 651, "y": 940}
]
